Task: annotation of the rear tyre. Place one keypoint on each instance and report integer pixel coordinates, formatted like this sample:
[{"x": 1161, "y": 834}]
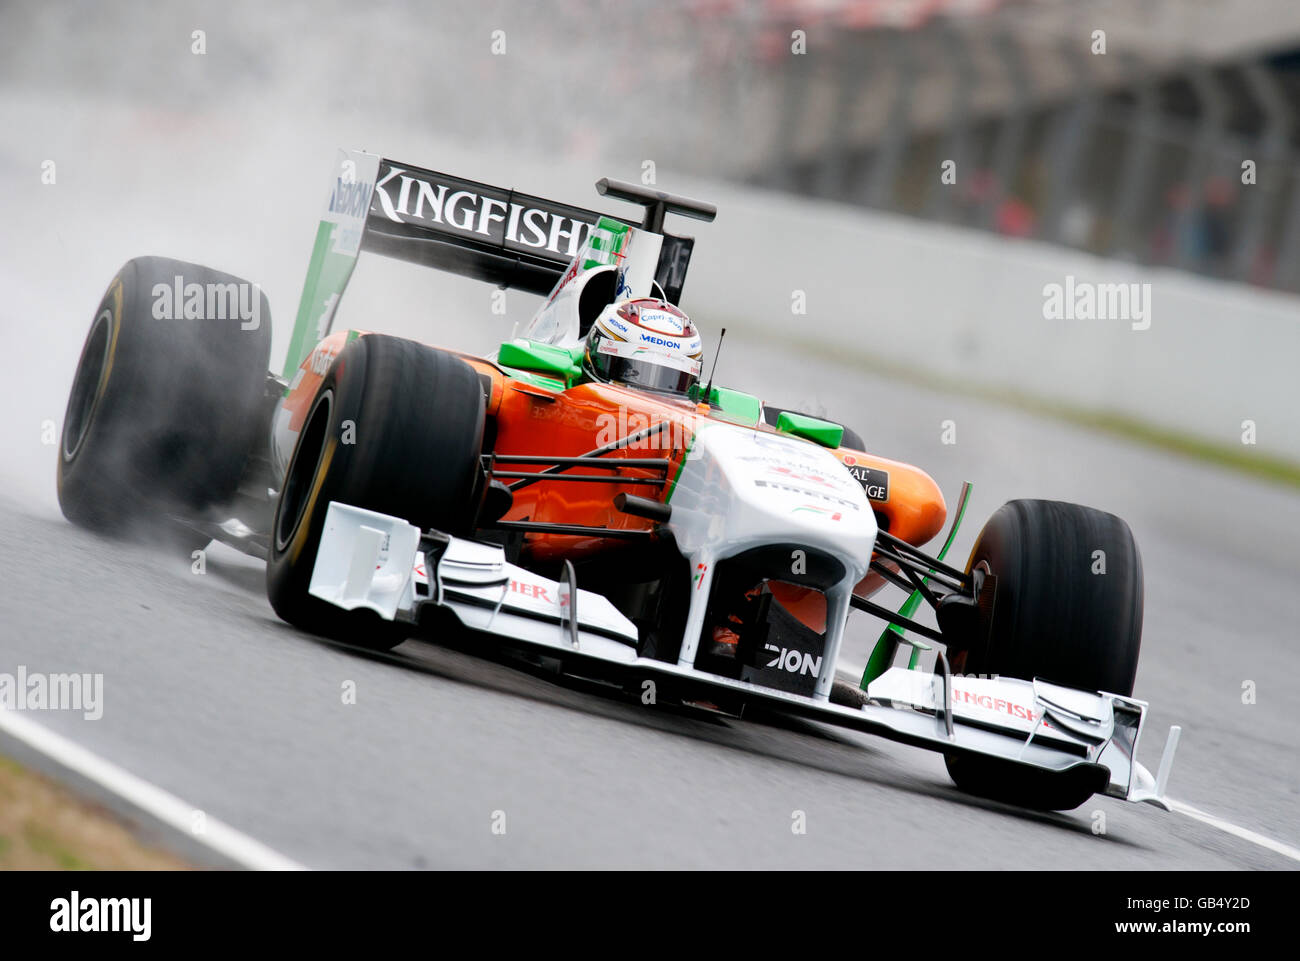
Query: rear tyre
[
  {"x": 395, "y": 427},
  {"x": 1068, "y": 609},
  {"x": 164, "y": 409}
]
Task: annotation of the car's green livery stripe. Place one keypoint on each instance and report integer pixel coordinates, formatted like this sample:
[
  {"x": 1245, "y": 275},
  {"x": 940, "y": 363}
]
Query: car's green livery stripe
[
  {"x": 733, "y": 406},
  {"x": 686, "y": 454},
  {"x": 605, "y": 243},
  {"x": 882, "y": 655},
  {"x": 297, "y": 350},
  {"x": 334, "y": 253},
  {"x": 327, "y": 276},
  {"x": 810, "y": 428},
  {"x": 541, "y": 358},
  {"x": 537, "y": 380}
]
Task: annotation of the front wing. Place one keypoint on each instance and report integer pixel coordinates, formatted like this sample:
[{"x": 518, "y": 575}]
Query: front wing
[{"x": 372, "y": 561}]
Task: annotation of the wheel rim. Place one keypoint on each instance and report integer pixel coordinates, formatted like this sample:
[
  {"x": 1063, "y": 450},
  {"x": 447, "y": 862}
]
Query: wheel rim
[
  {"x": 85, "y": 386},
  {"x": 302, "y": 470}
]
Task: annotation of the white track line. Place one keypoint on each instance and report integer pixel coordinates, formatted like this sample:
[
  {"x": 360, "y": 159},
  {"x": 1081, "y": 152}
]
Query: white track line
[
  {"x": 1228, "y": 827},
  {"x": 153, "y": 800}
]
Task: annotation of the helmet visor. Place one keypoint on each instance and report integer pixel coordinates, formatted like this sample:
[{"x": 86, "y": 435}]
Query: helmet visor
[{"x": 624, "y": 363}]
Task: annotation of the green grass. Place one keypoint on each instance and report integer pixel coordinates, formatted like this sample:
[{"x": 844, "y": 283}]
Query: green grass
[
  {"x": 44, "y": 826},
  {"x": 42, "y": 842}
]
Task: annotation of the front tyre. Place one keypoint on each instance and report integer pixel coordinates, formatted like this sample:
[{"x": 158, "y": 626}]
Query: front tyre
[
  {"x": 1068, "y": 609},
  {"x": 395, "y": 427}
]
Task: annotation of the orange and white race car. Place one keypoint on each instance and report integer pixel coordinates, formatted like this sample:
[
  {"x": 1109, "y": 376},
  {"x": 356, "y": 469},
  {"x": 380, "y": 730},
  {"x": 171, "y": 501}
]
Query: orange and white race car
[{"x": 588, "y": 499}]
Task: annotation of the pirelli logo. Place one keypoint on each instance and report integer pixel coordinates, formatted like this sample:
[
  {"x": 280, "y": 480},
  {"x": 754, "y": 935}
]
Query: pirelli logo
[{"x": 806, "y": 492}]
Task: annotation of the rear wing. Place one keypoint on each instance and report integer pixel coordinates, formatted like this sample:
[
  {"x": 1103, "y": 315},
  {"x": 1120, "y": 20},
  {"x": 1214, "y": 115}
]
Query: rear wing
[{"x": 494, "y": 234}]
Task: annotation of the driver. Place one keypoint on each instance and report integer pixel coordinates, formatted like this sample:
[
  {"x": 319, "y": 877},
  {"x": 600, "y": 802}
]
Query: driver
[{"x": 644, "y": 342}]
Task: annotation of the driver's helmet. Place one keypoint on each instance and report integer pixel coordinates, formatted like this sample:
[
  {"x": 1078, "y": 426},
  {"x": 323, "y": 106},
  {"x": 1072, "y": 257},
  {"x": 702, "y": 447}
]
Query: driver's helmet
[{"x": 644, "y": 342}]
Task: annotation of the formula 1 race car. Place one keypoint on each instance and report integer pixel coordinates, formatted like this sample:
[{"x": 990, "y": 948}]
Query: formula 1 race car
[{"x": 586, "y": 500}]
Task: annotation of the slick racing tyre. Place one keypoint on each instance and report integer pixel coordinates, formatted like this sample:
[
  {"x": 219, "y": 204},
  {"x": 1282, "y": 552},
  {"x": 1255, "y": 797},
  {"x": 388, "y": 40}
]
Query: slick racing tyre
[
  {"x": 166, "y": 400},
  {"x": 395, "y": 427},
  {"x": 1067, "y": 609}
]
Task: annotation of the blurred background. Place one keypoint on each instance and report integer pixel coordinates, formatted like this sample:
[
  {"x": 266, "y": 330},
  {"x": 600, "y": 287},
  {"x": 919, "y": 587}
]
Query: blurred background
[
  {"x": 914, "y": 172},
  {"x": 1129, "y": 144},
  {"x": 1118, "y": 128}
]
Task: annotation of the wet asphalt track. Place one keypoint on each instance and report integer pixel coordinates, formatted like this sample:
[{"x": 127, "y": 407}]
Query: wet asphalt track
[{"x": 209, "y": 696}]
